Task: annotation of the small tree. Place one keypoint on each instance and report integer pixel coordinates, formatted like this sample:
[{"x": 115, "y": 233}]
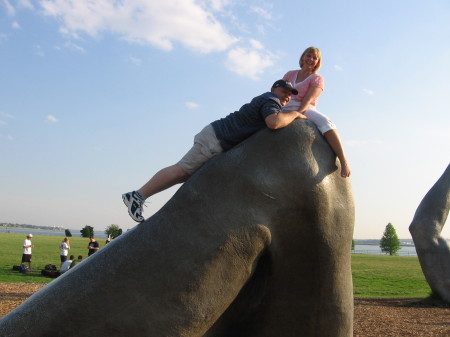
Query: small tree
[
  {"x": 68, "y": 233},
  {"x": 353, "y": 244},
  {"x": 87, "y": 232},
  {"x": 114, "y": 230},
  {"x": 390, "y": 243}
]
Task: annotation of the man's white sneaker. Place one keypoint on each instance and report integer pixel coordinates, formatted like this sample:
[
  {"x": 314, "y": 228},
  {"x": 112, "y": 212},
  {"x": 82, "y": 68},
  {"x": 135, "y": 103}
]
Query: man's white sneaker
[{"x": 134, "y": 204}]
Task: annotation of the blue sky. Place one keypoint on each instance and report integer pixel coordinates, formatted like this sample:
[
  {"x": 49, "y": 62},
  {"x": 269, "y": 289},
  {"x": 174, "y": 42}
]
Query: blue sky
[{"x": 96, "y": 96}]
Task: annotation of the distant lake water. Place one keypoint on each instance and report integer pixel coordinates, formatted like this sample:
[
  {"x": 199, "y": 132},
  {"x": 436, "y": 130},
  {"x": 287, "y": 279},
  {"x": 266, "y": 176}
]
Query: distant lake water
[
  {"x": 376, "y": 250},
  {"x": 48, "y": 232}
]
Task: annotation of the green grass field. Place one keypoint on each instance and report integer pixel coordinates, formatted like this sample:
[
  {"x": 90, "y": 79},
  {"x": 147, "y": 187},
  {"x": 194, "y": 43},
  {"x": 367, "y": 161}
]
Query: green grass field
[
  {"x": 45, "y": 251},
  {"x": 373, "y": 275},
  {"x": 388, "y": 276}
]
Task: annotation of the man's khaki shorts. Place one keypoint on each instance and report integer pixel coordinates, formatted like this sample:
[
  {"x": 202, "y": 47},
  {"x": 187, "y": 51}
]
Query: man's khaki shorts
[{"x": 206, "y": 145}]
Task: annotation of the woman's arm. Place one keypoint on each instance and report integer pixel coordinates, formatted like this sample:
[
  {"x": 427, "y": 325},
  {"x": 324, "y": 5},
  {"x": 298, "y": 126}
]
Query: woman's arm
[{"x": 311, "y": 95}]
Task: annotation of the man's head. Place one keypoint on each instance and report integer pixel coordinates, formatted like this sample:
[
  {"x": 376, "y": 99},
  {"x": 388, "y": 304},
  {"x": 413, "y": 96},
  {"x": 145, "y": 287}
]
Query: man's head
[
  {"x": 29, "y": 236},
  {"x": 283, "y": 90},
  {"x": 92, "y": 238}
]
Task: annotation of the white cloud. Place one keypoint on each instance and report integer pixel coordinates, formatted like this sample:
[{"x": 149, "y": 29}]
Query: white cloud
[
  {"x": 136, "y": 61},
  {"x": 158, "y": 23},
  {"x": 338, "y": 67},
  {"x": 368, "y": 91},
  {"x": 192, "y": 105},
  {"x": 265, "y": 14},
  {"x": 39, "y": 51},
  {"x": 73, "y": 46},
  {"x": 51, "y": 118},
  {"x": 9, "y": 8},
  {"x": 250, "y": 62},
  {"x": 11, "y": 11},
  {"x": 261, "y": 29},
  {"x": 2, "y": 123},
  {"x": 7, "y": 137},
  {"x": 15, "y": 25},
  {"x": 217, "y": 5},
  {"x": 256, "y": 44},
  {"x": 69, "y": 45},
  {"x": 193, "y": 24},
  {"x": 4, "y": 114},
  {"x": 25, "y": 4}
]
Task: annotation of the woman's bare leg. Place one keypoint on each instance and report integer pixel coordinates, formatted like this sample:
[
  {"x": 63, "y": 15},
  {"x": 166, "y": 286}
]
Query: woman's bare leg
[{"x": 334, "y": 140}]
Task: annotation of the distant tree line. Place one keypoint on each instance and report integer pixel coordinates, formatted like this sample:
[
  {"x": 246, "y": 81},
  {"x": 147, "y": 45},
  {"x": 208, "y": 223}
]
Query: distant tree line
[
  {"x": 8, "y": 224},
  {"x": 86, "y": 231},
  {"x": 113, "y": 230}
]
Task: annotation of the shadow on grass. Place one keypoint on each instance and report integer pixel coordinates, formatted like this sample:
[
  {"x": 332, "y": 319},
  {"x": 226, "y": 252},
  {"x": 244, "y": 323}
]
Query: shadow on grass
[{"x": 12, "y": 276}]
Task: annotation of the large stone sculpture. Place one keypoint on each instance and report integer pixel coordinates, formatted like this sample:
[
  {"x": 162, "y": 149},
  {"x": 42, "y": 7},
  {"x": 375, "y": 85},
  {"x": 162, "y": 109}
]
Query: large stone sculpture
[
  {"x": 426, "y": 227},
  {"x": 256, "y": 244}
]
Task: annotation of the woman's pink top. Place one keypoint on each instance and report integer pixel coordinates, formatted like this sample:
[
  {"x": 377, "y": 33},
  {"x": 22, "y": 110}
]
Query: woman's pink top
[{"x": 313, "y": 80}]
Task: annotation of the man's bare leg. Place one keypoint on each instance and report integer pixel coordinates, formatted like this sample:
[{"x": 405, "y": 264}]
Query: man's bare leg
[{"x": 164, "y": 179}]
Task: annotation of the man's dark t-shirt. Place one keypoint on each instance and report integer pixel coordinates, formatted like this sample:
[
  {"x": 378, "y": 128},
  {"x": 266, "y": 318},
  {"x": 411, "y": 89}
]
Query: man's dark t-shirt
[
  {"x": 93, "y": 244},
  {"x": 250, "y": 118}
]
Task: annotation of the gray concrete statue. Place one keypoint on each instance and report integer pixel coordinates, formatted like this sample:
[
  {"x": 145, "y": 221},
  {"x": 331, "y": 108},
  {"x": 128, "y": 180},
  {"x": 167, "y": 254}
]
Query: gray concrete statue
[
  {"x": 426, "y": 227},
  {"x": 256, "y": 244}
]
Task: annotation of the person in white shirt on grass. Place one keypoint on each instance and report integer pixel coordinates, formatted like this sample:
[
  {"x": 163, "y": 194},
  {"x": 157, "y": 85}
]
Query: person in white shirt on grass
[
  {"x": 66, "y": 264},
  {"x": 64, "y": 250},
  {"x": 26, "y": 251}
]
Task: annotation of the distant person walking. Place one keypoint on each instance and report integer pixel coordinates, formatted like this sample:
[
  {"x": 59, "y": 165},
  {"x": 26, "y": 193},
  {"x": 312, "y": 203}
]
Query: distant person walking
[
  {"x": 26, "y": 251},
  {"x": 93, "y": 246},
  {"x": 64, "y": 250}
]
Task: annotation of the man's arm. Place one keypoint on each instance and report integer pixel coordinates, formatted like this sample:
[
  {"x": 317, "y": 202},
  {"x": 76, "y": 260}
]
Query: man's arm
[{"x": 280, "y": 119}]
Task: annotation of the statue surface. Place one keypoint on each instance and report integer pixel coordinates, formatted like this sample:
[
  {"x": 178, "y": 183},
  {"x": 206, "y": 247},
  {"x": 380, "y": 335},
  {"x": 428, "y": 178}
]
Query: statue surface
[
  {"x": 256, "y": 244},
  {"x": 426, "y": 227}
]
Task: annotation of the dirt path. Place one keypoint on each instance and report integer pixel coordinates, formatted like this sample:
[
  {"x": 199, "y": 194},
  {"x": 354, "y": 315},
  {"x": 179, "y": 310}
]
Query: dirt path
[
  {"x": 399, "y": 317},
  {"x": 373, "y": 317}
]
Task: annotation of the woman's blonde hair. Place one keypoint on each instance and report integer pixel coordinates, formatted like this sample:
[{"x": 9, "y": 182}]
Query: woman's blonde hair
[{"x": 318, "y": 54}]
